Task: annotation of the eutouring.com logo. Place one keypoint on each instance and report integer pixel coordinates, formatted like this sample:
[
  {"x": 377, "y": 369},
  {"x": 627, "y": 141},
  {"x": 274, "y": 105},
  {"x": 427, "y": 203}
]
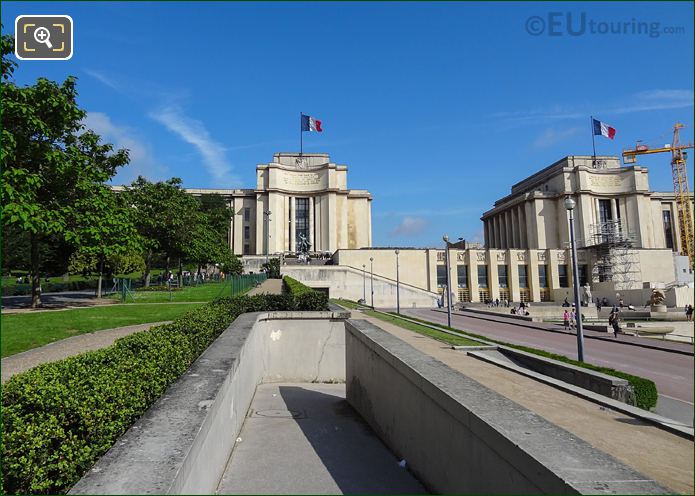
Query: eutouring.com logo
[{"x": 579, "y": 24}]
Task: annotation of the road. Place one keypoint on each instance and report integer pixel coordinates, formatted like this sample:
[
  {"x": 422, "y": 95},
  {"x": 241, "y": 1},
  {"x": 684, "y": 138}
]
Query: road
[
  {"x": 671, "y": 372},
  {"x": 55, "y": 300}
]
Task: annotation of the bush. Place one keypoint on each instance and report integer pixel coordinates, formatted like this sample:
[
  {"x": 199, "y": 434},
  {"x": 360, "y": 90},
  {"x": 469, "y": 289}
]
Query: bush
[
  {"x": 306, "y": 298},
  {"x": 60, "y": 417},
  {"x": 645, "y": 389}
]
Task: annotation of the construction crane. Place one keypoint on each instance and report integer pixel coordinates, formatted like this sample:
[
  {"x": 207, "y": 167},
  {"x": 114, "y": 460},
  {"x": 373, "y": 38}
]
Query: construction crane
[{"x": 680, "y": 184}]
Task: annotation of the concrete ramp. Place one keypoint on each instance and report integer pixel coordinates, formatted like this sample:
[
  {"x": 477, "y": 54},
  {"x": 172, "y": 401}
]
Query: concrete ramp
[{"x": 306, "y": 439}]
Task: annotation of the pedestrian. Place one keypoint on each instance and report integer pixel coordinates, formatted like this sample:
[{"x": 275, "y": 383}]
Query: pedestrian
[
  {"x": 573, "y": 316},
  {"x": 689, "y": 313},
  {"x": 513, "y": 311},
  {"x": 506, "y": 303},
  {"x": 497, "y": 302},
  {"x": 598, "y": 304},
  {"x": 614, "y": 322},
  {"x": 566, "y": 319}
]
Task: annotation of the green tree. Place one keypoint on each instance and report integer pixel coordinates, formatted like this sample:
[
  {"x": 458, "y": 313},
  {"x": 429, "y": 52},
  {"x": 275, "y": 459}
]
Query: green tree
[
  {"x": 103, "y": 232},
  {"x": 165, "y": 217},
  {"x": 50, "y": 166}
]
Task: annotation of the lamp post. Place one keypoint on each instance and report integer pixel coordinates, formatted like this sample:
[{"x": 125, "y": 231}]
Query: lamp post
[
  {"x": 398, "y": 286},
  {"x": 371, "y": 277},
  {"x": 448, "y": 279},
  {"x": 266, "y": 214},
  {"x": 364, "y": 284},
  {"x": 569, "y": 205}
]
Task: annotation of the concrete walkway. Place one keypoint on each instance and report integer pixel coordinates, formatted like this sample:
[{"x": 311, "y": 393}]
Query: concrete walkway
[
  {"x": 306, "y": 439},
  {"x": 665, "y": 457},
  {"x": 21, "y": 362},
  {"x": 269, "y": 286}
]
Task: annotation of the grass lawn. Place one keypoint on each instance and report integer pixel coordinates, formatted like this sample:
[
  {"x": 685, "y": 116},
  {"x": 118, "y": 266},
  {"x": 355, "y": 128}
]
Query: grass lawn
[
  {"x": 24, "y": 331},
  {"x": 202, "y": 292},
  {"x": 420, "y": 329}
]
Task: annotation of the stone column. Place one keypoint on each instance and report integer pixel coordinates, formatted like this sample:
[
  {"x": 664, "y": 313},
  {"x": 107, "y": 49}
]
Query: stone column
[
  {"x": 293, "y": 212},
  {"x": 493, "y": 283},
  {"x": 513, "y": 275},
  {"x": 534, "y": 283},
  {"x": 473, "y": 274},
  {"x": 312, "y": 240}
]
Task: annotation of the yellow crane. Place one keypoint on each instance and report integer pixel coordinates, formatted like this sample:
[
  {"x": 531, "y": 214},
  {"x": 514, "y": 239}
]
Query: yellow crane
[{"x": 680, "y": 184}]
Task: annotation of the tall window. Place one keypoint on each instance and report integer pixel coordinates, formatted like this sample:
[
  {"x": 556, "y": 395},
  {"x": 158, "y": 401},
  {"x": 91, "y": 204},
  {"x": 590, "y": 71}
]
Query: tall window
[
  {"x": 482, "y": 276},
  {"x": 462, "y": 275},
  {"x": 441, "y": 276},
  {"x": 543, "y": 276},
  {"x": 668, "y": 228},
  {"x": 604, "y": 210},
  {"x": 583, "y": 274},
  {"x": 247, "y": 232},
  {"x": 502, "y": 275},
  {"x": 523, "y": 276},
  {"x": 301, "y": 218},
  {"x": 562, "y": 275},
  {"x": 247, "y": 214}
]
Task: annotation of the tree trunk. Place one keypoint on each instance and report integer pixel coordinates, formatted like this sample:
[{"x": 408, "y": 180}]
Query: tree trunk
[
  {"x": 101, "y": 273},
  {"x": 166, "y": 268},
  {"x": 148, "y": 268},
  {"x": 35, "y": 277}
]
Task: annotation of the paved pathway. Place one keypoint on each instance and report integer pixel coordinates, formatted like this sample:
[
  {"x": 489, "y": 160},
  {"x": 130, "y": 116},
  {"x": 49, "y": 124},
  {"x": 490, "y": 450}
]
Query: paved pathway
[
  {"x": 665, "y": 457},
  {"x": 15, "y": 364},
  {"x": 269, "y": 286},
  {"x": 52, "y": 301},
  {"x": 672, "y": 372},
  {"x": 306, "y": 439}
]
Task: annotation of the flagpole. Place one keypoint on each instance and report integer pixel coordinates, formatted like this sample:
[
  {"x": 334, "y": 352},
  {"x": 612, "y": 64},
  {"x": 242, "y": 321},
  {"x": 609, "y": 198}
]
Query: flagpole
[
  {"x": 593, "y": 139},
  {"x": 301, "y": 134}
]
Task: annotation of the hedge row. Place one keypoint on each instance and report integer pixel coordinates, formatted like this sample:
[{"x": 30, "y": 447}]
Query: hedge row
[
  {"x": 60, "y": 417},
  {"x": 645, "y": 389},
  {"x": 306, "y": 297}
]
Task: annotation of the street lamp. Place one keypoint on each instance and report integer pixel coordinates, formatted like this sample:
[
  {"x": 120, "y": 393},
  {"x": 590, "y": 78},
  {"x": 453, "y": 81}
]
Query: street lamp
[
  {"x": 364, "y": 284},
  {"x": 267, "y": 213},
  {"x": 569, "y": 205},
  {"x": 371, "y": 277},
  {"x": 448, "y": 279},
  {"x": 398, "y": 286}
]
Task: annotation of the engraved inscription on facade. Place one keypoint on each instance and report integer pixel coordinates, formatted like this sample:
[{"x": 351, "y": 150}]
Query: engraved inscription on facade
[{"x": 301, "y": 179}]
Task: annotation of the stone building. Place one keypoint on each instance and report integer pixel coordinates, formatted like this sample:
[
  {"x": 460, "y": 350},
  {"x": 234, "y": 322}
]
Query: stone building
[
  {"x": 628, "y": 238},
  {"x": 297, "y": 196}
]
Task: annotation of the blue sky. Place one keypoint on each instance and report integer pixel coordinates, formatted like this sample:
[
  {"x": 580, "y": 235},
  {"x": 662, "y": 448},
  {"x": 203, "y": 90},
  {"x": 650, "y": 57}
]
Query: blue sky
[{"x": 436, "y": 108}]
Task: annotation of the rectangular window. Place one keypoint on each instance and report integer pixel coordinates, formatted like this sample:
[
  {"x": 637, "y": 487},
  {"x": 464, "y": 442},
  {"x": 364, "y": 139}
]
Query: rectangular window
[
  {"x": 668, "y": 228},
  {"x": 523, "y": 276},
  {"x": 301, "y": 219},
  {"x": 562, "y": 275},
  {"x": 502, "y": 275},
  {"x": 247, "y": 232},
  {"x": 247, "y": 250},
  {"x": 247, "y": 214},
  {"x": 604, "y": 211},
  {"x": 482, "y": 276},
  {"x": 617, "y": 207},
  {"x": 441, "y": 276},
  {"x": 462, "y": 275},
  {"x": 583, "y": 274},
  {"x": 543, "y": 276}
]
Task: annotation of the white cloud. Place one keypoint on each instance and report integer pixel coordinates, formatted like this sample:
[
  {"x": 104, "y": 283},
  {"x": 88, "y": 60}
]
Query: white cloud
[
  {"x": 645, "y": 101},
  {"x": 142, "y": 162},
  {"x": 193, "y": 132},
  {"x": 410, "y": 226},
  {"x": 552, "y": 136},
  {"x": 99, "y": 76}
]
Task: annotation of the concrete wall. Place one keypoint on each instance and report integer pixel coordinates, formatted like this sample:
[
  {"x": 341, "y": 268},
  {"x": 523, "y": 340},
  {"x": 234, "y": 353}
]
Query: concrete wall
[
  {"x": 182, "y": 444},
  {"x": 457, "y": 436},
  {"x": 352, "y": 284}
]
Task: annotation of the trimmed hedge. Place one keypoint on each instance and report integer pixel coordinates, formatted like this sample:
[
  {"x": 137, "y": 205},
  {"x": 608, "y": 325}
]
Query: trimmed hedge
[
  {"x": 60, "y": 417},
  {"x": 306, "y": 297},
  {"x": 645, "y": 389}
]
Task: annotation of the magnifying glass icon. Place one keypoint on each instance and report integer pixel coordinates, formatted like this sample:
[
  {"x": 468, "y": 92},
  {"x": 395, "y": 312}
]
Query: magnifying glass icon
[{"x": 43, "y": 35}]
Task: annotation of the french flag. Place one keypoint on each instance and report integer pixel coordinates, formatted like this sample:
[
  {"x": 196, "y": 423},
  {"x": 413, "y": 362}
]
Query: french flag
[
  {"x": 311, "y": 124},
  {"x": 603, "y": 129}
]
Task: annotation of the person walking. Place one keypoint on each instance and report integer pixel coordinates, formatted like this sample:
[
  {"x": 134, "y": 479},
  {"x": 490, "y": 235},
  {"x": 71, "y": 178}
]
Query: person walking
[
  {"x": 573, "y": 317},
  {"x": 614, "y": 322},
  {"x": 566, "y": 319},
  {"x": 689, "y": 313}
]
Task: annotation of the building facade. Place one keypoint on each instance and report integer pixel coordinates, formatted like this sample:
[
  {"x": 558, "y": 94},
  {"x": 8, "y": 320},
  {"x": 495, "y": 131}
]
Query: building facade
[
  {"x": 628, "y": 238},
  {"x": 297, "y": 196}
]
